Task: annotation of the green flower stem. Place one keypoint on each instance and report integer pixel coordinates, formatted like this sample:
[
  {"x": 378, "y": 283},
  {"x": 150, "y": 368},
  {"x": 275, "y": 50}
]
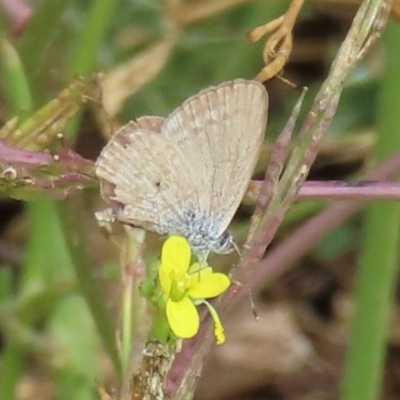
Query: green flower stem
[
  {"x": 161, "y": 330},
  {"x": 379, "y": 259}
]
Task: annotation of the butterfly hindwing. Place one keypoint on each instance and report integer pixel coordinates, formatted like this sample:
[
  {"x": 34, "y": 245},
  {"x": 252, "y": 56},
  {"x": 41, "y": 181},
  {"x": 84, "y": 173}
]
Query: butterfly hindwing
[{"x": 148, "y": 177}]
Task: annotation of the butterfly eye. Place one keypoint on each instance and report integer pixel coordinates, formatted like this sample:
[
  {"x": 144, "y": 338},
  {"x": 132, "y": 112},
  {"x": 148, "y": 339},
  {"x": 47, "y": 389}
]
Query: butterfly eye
[{"x": 225, "y": 244}]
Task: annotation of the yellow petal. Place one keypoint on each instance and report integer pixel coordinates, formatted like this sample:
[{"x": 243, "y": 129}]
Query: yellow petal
[
  {"x": 183, "y": 317},
  {"x": 210, "y": 285},
  {"x": 175, "y": 259},
  {"x": 176, "y": 254}
]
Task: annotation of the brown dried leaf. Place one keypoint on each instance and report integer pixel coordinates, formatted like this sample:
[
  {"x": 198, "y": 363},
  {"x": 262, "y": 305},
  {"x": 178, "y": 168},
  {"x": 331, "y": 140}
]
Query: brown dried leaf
[{"x": 128, "y": 78}]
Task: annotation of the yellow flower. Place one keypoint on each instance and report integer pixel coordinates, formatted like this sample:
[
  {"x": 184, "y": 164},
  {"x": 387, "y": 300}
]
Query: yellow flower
[{"x": 185, "y": 288}]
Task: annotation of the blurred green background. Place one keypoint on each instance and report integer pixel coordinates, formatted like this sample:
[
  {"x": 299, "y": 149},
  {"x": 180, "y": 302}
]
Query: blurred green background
[{"x": 55, "y": 274}]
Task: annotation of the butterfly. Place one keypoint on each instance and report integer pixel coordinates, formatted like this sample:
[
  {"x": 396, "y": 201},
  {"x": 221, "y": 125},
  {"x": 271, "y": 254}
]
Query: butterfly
[{"x": 187, "y": 174}]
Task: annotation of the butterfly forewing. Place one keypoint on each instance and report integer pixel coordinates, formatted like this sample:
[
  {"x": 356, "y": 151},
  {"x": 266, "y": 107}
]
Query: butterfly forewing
[{"x": 220, "y": 131}]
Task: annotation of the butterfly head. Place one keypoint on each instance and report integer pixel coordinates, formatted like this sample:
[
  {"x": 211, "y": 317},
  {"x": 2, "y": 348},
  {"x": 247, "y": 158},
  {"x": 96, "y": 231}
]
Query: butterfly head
[
  {"x": 203, "y": 245},
  {"x": 223, "y": 244}
]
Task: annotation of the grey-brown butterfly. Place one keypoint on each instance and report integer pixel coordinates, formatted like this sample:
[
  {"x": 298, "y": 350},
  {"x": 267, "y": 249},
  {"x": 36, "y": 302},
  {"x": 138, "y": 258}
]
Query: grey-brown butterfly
[{"x": 187, "y": 174}]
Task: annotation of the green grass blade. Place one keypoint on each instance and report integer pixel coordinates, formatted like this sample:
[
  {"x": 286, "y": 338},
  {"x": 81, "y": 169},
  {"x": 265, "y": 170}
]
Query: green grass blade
[{"x": 379, "y": 259}]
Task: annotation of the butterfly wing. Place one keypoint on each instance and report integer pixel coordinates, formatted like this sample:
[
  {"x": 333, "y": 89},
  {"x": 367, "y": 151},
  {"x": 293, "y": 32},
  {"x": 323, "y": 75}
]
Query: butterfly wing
[
  {"x": 221, "y": 130},
  {"x": 152, "y": 123},
  {"x": 147, "y": 177}
]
